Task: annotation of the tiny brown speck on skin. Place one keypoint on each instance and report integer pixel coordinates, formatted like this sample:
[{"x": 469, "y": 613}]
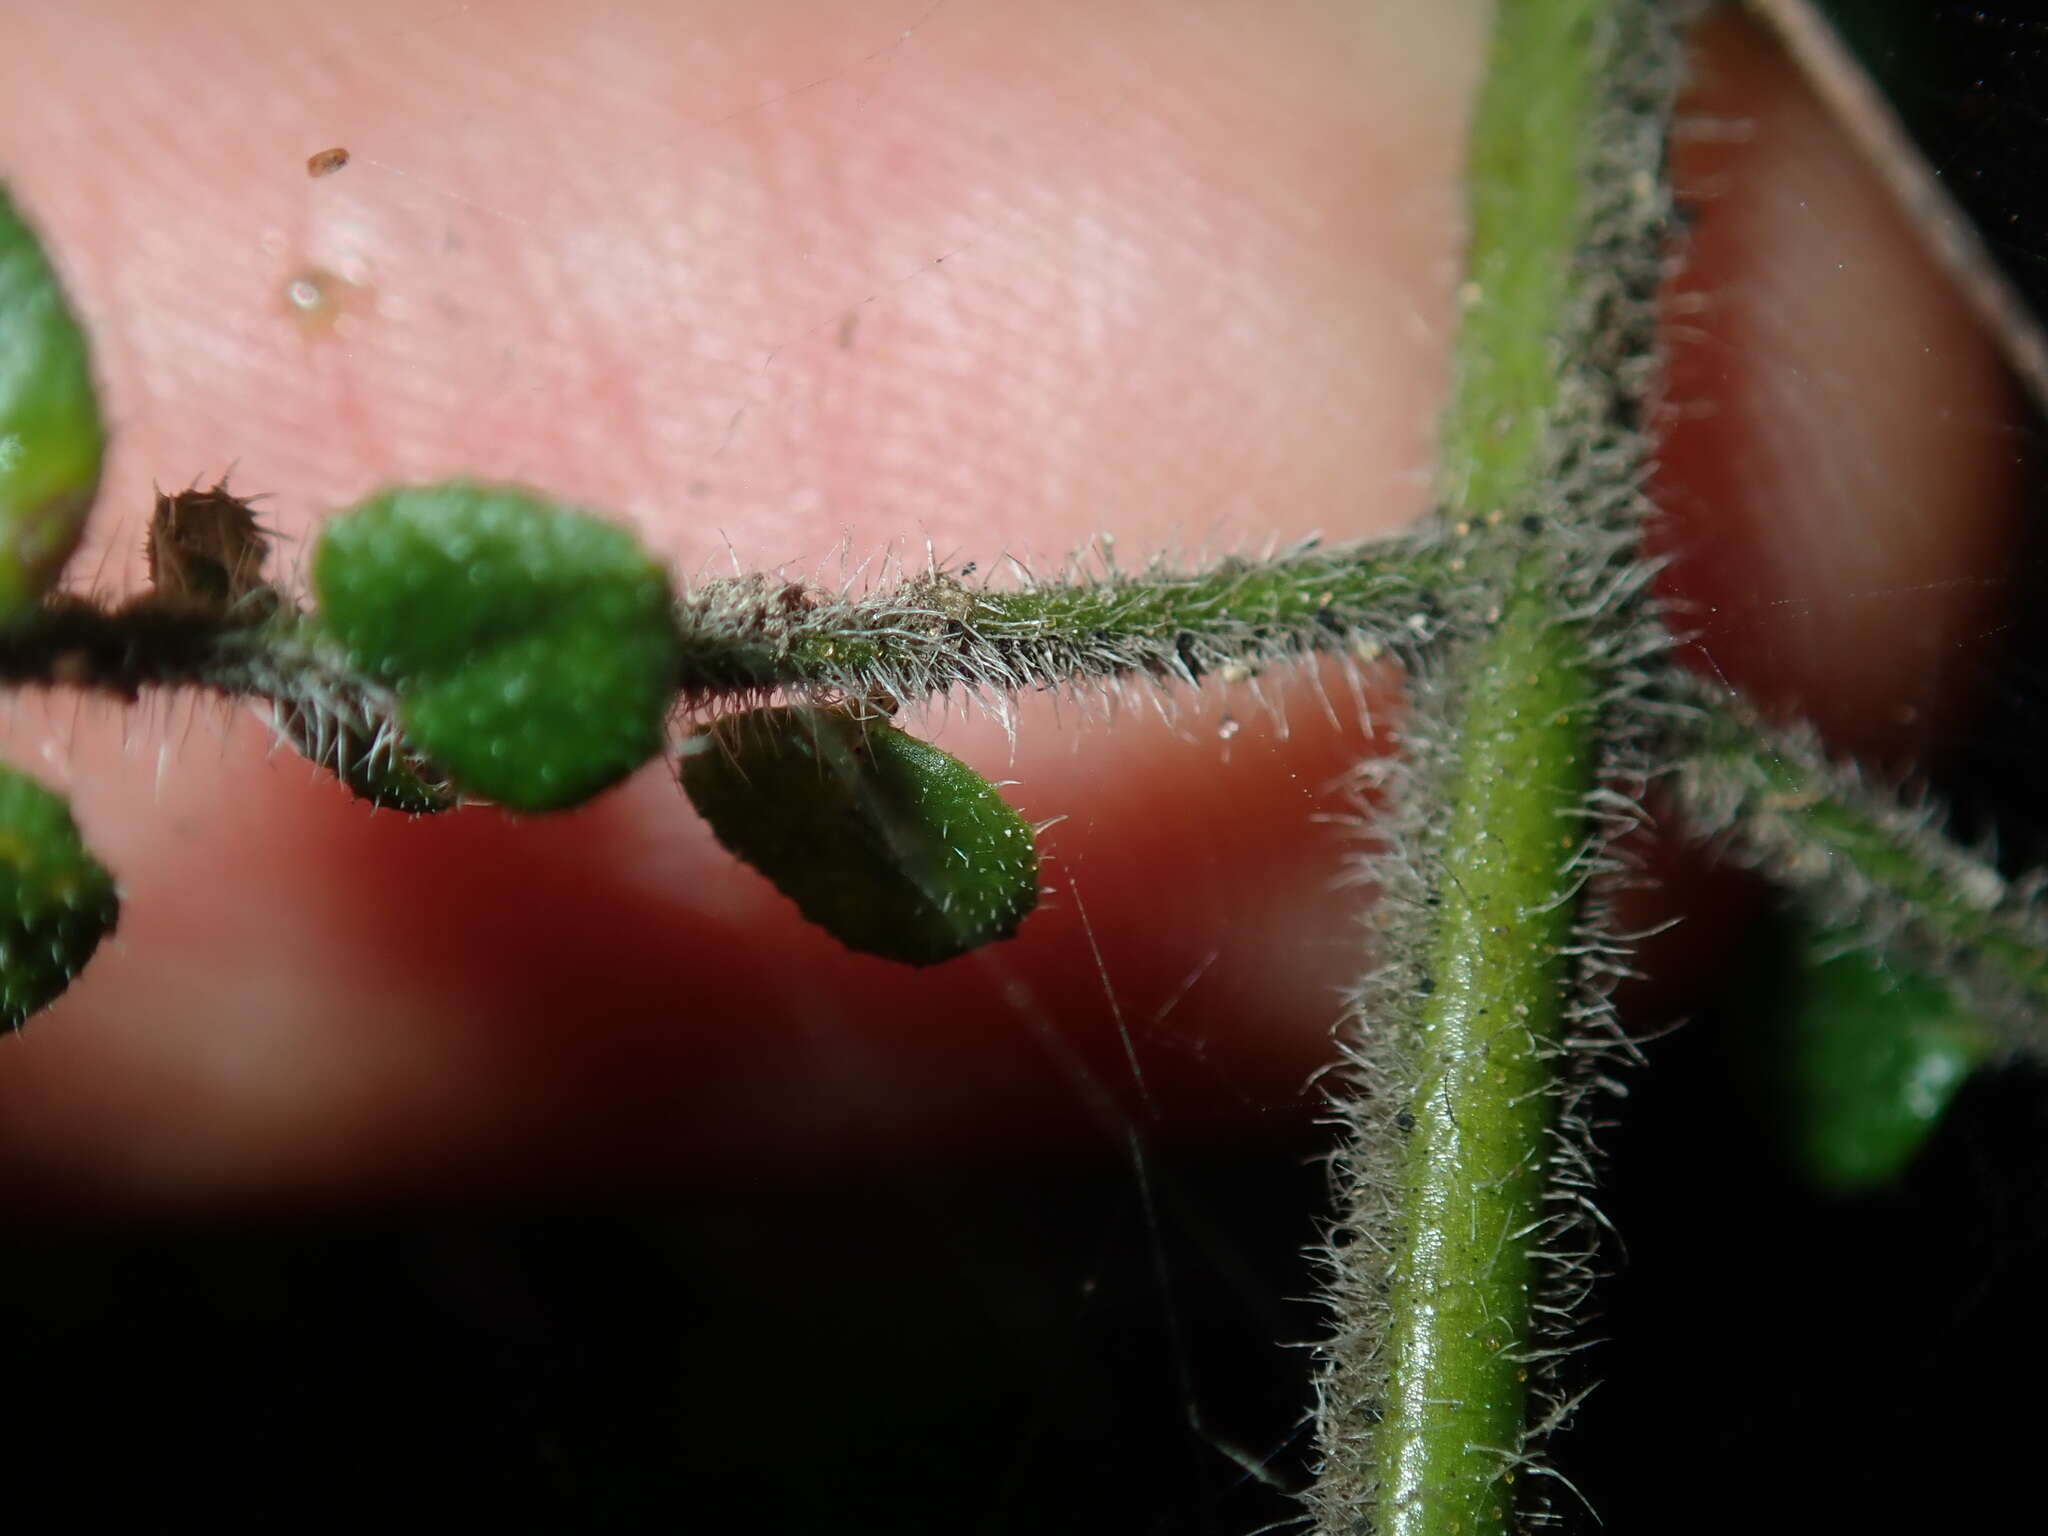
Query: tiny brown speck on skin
[{"x": 327, "y": 162}]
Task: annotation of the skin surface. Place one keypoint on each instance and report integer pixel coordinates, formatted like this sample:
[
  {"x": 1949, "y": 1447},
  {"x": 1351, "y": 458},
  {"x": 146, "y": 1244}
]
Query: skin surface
[{"x": 805, "y": 284}]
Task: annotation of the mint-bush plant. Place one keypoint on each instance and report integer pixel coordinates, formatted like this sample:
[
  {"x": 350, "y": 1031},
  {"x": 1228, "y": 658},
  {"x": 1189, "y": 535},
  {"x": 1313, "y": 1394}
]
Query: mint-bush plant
[{"x": 472, "y": 641}]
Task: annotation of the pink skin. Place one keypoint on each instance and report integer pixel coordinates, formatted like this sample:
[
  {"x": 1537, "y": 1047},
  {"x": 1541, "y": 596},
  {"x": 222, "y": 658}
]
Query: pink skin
[{"x": 685, "y": 264}]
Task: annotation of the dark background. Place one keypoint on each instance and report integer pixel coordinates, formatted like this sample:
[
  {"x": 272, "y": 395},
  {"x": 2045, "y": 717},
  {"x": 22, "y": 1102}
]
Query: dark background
[{"x": 1003, "y": 1353}]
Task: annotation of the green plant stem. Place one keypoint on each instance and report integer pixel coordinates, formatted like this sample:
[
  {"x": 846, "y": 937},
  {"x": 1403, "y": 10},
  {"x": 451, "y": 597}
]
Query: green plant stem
[
  {"x": 1871, "y": 866},
  {"x": 1463, "y": 1180},
  {"x": 1528, "y": 147},
  {"x": 122, "y": 651},
  {"x": 912, "y": 640},
  {"x": 936, "y": 633},
  {"x": 1472, "y": 1177}
]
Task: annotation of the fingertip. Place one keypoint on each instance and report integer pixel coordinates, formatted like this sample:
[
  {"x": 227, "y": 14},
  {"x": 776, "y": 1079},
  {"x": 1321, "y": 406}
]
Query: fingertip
[{"x": 1838, "y": 471}]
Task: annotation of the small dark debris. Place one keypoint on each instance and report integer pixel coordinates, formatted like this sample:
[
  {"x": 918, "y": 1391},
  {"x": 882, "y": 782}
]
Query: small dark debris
[{"x": 205, "y": 550}]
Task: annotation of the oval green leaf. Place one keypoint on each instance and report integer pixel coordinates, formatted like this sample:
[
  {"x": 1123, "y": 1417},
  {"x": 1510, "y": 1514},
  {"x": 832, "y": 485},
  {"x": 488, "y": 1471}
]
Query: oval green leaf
[
  {"x": 51, "y": 440},
  {"x": 56, "y": 901},
  {"x": 894, "y": 847},
  {"x": 533, "y": 647},
  {"x": 1869, "y": 1054}
]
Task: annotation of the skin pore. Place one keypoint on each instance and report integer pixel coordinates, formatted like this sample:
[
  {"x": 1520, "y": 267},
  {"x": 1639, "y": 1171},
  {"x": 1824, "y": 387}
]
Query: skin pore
[{"x": 773, "y": 283}]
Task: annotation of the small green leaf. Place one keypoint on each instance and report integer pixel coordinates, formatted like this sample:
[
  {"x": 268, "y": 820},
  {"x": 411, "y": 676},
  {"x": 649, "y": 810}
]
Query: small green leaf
[
  {"x": 894, "y": 847},
  {"x": 533, "y": 647},
  {"x": 56, "y": 902},
  {"x": 50, "y": 434},
  {"x": 1869, "y": 1054}
]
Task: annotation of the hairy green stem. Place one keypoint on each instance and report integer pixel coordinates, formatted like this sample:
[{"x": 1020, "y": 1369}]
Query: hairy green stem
[
  {"x": 1871, "y": 866},
  {"x": 935, "y": 632},
  {"x": 122, "y": 651},
  {"x": 1472, "y": 1181},
  {"x": 911, "y": 640},
  {"x": 1462, "y": 1252},
  {"x": 1527, "y": 151}
]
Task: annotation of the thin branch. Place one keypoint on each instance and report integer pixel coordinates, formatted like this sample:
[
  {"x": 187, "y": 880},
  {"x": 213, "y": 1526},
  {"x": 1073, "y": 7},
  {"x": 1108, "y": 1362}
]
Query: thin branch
[
  {"x": 758, "y": 634},
  {"x": 935, "y": 632},
  {"x": 1868, "y": 862},
  {"x": 122, "y": 651}
]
